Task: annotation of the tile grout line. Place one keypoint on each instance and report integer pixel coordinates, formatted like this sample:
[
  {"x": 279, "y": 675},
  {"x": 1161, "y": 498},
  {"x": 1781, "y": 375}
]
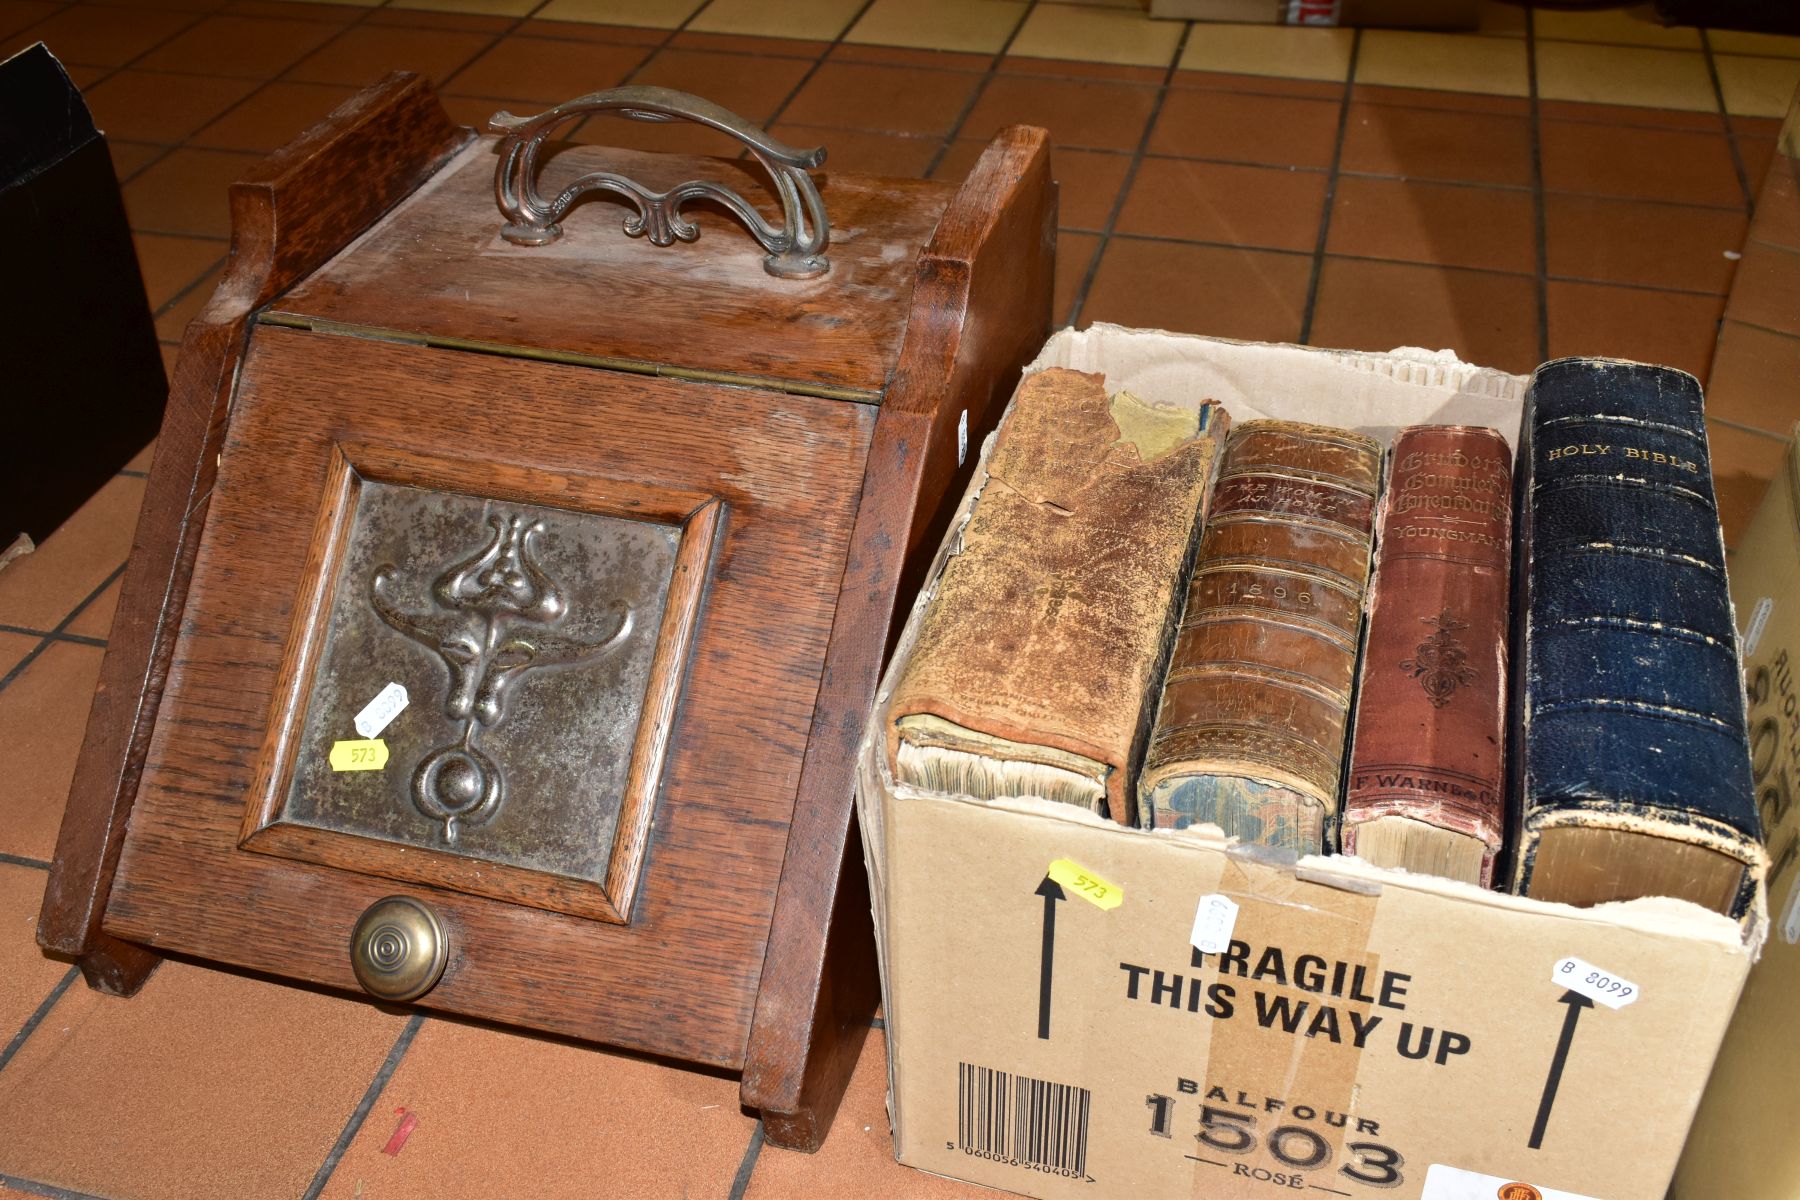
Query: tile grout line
[
  {"x": 654, "y": 51},
  {"x": 181, "y": 143},
  {"x": 1284, "y": 168},
  {"x": 223, "y": 10},
  {"x": 37, "y": 1016},
  {"x": 740, "y": 1183},
  {"x": 1787, "y": 334},
  {"x": 806, "y": 78},
  {"x": 1696, "y": 293},
  {"x": 20, "y": 666},
  {"x": 365, "y": 1106},
  {"x": 1731, "y": 137},
  {"x": 62, "y": 625},
  {"x": 168, "y": 306},
  {"x": 1247, "y": 88},
  {"x": 1740, "y": 427},
  {"x": 980, "y": 89},
  {"x": 81, "y": 605},
  {"x": 358, "y": 22},
  {"x": 517, "y": 23},
  {"x": 758, "y": 53},
  {"x": 1611, "y": 197},
  {"x": 80, "y": 639},
  {"x": 52, "y": 1191},
  {"x": 200, "y": 19},
  {"x": 1540, "y": 206},
  {"x": 651, "y": 55},
  {"x": 1317, "y": 274},
  {"x": 107, "y": 72},
  {"x": 1125, "y": 185},
  {"x": 668, "y": 42},
  {"x": 20, "y": 860}
]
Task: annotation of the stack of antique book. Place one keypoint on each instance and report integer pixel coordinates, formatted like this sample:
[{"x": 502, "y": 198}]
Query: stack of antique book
[{"x": 1423, "y": 649}]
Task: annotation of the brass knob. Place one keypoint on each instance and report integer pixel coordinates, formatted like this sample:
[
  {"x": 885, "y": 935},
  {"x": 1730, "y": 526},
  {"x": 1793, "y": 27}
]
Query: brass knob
[{"x": 398, "y": 949}]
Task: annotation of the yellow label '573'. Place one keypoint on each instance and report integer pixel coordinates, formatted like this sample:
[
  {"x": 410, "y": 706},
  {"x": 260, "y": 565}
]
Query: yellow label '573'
[
  {"x": 368, "y": 755},
  {"x": 1086, "y": 884}
]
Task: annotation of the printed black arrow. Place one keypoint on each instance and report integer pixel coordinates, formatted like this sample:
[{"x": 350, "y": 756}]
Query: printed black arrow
[
  {"x": 1053, "y": 895},
  {"x": 1576, "y": 1002}
]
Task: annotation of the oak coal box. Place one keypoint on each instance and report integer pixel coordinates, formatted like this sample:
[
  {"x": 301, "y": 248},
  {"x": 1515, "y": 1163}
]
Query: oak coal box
[{"x": 510, "y": 592}]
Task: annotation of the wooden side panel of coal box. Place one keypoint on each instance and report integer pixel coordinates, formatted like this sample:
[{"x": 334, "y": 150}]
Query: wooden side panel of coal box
[
  {"x": 981, "y": 308},
  {"x": 289, "y": 214}
]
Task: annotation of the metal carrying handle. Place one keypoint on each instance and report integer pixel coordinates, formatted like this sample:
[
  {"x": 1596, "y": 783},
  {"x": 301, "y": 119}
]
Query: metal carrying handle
[{"x": 796, "y": 249}]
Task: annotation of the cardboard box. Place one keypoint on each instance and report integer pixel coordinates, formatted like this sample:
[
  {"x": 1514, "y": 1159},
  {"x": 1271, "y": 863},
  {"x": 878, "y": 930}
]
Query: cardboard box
[
  {"x": 1368, "y": 14},
  {"x": 1743, "y": 1145},
  {"x": 1365, "y": 1033}
]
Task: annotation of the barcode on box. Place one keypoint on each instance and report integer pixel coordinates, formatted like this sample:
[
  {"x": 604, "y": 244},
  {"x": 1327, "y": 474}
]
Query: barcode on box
[{"x": 1026, "y": 1122}]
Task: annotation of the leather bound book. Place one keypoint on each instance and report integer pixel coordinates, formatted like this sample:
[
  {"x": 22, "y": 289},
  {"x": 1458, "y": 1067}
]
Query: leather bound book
[
  {"x": 1633, "y": 776},
  {"x": 1038, "y": 658},
  {"x": 1428, "y": 741},
  {"x": 1249, "y": 733}
]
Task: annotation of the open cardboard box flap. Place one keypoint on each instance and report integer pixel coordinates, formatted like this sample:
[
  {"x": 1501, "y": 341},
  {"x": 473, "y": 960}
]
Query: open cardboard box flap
[{"x": 1363, "y": 1032}]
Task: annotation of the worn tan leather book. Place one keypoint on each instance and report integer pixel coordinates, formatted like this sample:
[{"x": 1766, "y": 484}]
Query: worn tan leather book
[
  {"x": 1423, "y": 791},
  {"x": 1249, "y": 733},
  {"x": 1038, "y": 658}
]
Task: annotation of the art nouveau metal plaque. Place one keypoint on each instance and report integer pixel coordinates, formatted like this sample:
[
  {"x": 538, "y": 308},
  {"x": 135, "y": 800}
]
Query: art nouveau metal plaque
[
  {"x": 484, "y": 680},
  {"x": 523, "y": 637}
]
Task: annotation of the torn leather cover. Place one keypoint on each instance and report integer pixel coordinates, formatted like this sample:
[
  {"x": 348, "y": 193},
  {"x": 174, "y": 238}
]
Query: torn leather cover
[
  {"x": 1629, "y": 700},
  {"x": 1049, "y": 624},
  {"x": 1430, "y": 725}
]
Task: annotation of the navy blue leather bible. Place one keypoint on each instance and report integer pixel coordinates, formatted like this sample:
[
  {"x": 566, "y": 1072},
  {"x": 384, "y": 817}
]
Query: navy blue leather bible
[{"x": 1632, "y": 765}]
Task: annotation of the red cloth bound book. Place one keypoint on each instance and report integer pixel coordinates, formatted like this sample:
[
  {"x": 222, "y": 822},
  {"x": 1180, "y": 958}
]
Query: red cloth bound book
[{"x": 1429, "y": 735}]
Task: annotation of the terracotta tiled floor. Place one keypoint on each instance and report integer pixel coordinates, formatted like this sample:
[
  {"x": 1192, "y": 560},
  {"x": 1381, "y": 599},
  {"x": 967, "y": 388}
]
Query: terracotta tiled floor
[{"x": 1557, "y": 183}]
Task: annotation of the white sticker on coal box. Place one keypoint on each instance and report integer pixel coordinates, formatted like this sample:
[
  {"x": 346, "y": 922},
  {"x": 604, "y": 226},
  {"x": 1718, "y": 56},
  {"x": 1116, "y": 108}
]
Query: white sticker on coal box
[
  {"x": 1759, "y": 621},
  {"x": 1214, "y": 919},
  {"x": 1454, "y": 1183},
  {"x": 1585, "y": 979},
  {"x": 379, "y": 712},
  {"x": 1790, "y": 916}
]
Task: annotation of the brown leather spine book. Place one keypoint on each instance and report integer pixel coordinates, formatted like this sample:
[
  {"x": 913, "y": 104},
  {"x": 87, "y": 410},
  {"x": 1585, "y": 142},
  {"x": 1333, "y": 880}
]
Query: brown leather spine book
[
  {"x": 1430, "y": 732},
  {"x": 1038, "y": 659},
  {"x": 1249, "y": 735}
]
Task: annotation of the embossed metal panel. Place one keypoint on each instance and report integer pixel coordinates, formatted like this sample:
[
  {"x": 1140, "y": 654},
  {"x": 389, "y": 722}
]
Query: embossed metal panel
[{"x": 524, "y": 636}]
